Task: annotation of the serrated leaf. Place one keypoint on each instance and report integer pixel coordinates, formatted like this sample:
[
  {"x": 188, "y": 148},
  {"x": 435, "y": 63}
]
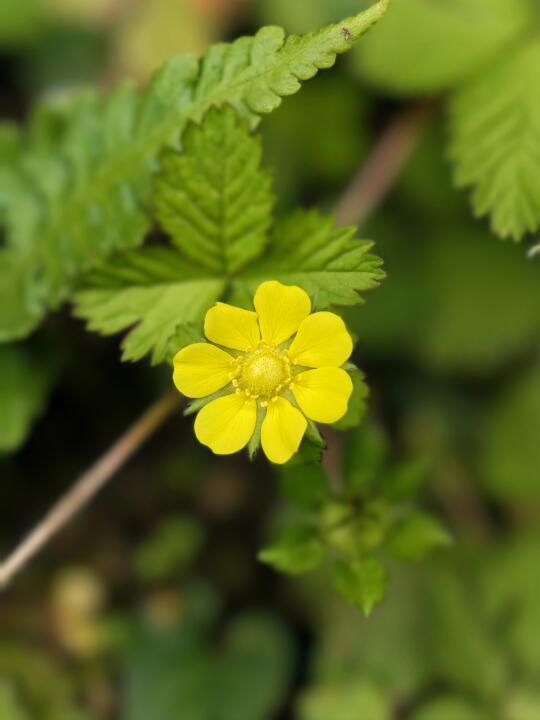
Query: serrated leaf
[
  {"x": 85, "y": 195},
  {"x": 329, "y": 263},
  {"x": 495, "y": 135},
  {"x": 213, "y": 199},
  {"x": 425, "y": 46},
  {"x": 152, "y": 289},
  {"x": 296, "y": 551},
  {"x": 415, "y": 535},
  {"x": 361, "y": 583}
]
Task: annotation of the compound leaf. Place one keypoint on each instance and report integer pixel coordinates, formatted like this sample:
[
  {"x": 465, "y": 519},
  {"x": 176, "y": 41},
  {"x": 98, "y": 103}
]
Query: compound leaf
[
  {"x": 495, "y": 127},
  {"x": 329, "y": 263},
  {"x": 80, "y": 189},
  {"x": 154, "y": 291}
]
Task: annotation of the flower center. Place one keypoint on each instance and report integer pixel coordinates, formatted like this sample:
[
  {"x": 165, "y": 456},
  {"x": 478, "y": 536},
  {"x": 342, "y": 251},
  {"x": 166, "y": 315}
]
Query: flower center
[{"x": 265, "y": 372}]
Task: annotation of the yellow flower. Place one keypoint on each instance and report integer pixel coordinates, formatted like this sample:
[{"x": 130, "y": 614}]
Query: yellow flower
[{"x": 275, "y": 383}]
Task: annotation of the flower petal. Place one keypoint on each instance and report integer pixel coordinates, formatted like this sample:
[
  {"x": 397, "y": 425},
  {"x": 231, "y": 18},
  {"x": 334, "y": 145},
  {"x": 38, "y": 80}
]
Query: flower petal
[
  {"x": 226, "y": 425},
  {"x": 323, "y": 394},
  {"x": 232, "y": 327},
  {"x": 322, "y": 340},
  {"x": 201, "y": 369},
  {"x": 281, "y": 309},
  {"x": 282, "y": 431}
]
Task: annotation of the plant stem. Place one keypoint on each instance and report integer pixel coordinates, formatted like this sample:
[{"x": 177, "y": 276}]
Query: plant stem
[{"x": 86, "y": 487}]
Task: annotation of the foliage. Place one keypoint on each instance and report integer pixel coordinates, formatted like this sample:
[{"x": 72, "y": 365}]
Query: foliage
[
  {"x": 426, "y": 517},
  {"x": 453, "y": 629},
  {"x": 80, "y": 189},
  {"x": 495, "y": 129},
  {"x": 217, "y": 206},
  {"x": 372, "y": 513}
]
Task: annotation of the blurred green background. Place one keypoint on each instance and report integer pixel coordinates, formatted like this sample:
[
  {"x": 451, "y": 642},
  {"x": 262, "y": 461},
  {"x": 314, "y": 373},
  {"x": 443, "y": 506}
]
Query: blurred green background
[{"x": 152, "y": 605}]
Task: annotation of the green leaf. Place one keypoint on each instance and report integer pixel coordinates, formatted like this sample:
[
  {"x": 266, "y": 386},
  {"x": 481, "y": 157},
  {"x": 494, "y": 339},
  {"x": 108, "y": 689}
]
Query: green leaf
[
  {"x": 416, "y": 535},
  {"x": 329, "y": 263},
  {"x": 296, "y": 551},
  {"x": 361, "y": 583},
  {"x": 425, "y": 46},
  {"x": 25, "y": 383},
  {"x": 213, "y": 199},
  {"x": 152, "y": 289},
  {"x": 510, "y": 451},
  {"x": 495, "y": 134},
  {"x": 82, "y": 192},
  {"x": 449, "y": 708}
]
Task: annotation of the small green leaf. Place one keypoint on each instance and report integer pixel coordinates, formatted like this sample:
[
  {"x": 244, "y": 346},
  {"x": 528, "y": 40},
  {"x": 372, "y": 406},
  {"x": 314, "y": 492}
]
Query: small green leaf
[
  {"x": 361, "y": 583},
  {"x": 195, "y": 405},
  {"x": 155, "y": 291},
  {"x": 298, "y": 550},
  {"x": 255, "y": 440},
  {"x": 416, "y": 535},
  {"x": 213, "y": 199},
  {"x": 329, "y": 263}
]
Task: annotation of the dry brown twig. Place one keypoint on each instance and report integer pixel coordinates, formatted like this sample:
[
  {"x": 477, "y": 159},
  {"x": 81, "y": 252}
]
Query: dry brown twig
[
  {"x": 86, "y": 487},
  {"x": 367, "y": 190}
]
